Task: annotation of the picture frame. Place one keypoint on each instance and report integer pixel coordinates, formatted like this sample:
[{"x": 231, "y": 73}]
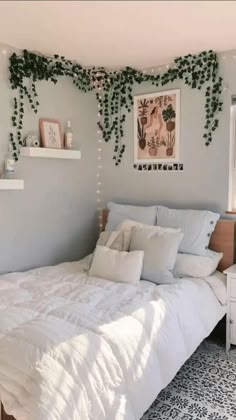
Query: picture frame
[
  {"x": 51, "y": 133},
  {"x": 157, "y": 127}
]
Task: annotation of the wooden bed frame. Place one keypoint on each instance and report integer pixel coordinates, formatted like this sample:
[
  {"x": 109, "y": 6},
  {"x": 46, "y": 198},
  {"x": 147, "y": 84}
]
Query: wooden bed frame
[{"x": 222, "y": 240}]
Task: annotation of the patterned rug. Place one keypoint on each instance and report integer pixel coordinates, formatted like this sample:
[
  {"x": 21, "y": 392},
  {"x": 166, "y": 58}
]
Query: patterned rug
[{"x": 204, "y": 388}]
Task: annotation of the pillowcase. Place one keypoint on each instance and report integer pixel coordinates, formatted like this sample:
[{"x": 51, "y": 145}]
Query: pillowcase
[
  {"x": 122, "y": 267},
  {"x": 196, "y": 225},
  {"x": 119, "y": 212},
  {"x": 127, "y": 225},
  {"x": 119, "y": 240},
  {"x": 187, "y": 265},
  {"x": 160, "y": 246}
]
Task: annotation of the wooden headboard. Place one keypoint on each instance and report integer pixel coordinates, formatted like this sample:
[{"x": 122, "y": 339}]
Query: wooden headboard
[{"x": 222, "y": 240}]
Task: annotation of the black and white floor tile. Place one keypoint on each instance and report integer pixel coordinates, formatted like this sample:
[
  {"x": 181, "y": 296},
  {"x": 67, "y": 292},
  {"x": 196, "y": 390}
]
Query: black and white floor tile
[{"x": 204, "y": 388}]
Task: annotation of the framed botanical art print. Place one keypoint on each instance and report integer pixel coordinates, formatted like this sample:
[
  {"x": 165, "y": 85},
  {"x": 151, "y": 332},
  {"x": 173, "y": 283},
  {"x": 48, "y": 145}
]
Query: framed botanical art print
[
  {"x": 157, "y": 127},
  {"x": 51, "y": 133}
]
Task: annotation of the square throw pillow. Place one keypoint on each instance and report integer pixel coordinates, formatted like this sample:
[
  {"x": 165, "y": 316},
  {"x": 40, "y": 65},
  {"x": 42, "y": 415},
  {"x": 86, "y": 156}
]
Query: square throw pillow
[
  {"x": 122, "y": 267},
  {"x": 118, "y": 240},
  {"x": 119, "y": 212},
  {"x": 160, "y": 246},
  {"x": 196, "y": 225},
  {"x": 188, "y": 265}
]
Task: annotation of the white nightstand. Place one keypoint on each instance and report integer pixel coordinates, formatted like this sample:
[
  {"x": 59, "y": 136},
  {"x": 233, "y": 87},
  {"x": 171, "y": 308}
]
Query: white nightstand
[{"x": 231, "y": 307}]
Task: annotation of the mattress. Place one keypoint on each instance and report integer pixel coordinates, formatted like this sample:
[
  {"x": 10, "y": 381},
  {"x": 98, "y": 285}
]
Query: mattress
[{"x": 81, "y": 348}]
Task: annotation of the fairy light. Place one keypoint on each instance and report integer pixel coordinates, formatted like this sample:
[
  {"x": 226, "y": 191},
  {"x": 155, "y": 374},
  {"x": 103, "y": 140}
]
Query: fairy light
[{"x": 99, "y": 89}]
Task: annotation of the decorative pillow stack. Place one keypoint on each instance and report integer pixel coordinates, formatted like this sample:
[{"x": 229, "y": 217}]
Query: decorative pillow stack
[{"x": 177, "y": 247}]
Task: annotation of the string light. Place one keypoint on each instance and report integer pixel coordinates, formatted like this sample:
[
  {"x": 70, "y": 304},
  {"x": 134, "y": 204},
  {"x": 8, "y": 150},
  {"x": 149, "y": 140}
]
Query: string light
[{"x": 99, "y": 88}]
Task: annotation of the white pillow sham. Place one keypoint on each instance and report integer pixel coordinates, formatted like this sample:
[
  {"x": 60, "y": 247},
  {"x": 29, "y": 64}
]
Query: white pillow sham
[
  {"x": 118, "y": 240},
  {"x": 122, "y": 267},
  {"x": 119, "y": 212},
  {"x": 196, "y": 225},
  {"x": 187, "y": 265},
  {"x": 160, "y": 246}
]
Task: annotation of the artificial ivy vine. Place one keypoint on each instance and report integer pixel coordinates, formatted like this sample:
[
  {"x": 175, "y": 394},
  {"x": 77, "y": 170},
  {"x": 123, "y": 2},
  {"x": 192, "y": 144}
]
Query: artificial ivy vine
[{"x": 114, "y": 90}]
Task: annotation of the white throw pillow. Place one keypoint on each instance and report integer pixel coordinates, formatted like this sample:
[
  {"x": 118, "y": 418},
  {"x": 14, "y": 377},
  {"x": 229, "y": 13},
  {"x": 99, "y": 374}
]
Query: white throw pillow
[
  {"x": 122, "y": 267},
  {"x": 127, "y": 225},
  {"x": 118, "y": 240},
  {"x": 196, "y": 225},
  {"x": 188, "y": 265},
  {"x": 119, "y": 212},
  {"x": 160, "y": 246}
]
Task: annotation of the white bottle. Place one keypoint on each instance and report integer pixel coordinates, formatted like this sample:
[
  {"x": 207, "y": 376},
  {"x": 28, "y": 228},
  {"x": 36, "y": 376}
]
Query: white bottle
[
  {"x": 68, "y": 136},
  {"x": 9, "y": 163}
]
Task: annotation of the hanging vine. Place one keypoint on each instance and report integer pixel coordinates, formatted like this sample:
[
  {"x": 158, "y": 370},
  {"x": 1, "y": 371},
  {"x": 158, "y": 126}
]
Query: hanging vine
[{"x": 197, "y": 71}]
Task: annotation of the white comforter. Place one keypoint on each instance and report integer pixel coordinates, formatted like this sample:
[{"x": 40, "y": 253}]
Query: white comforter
[{"x": 78, "y": 348}]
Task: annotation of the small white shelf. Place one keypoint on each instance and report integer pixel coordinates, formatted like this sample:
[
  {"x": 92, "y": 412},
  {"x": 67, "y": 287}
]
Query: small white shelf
[
  {"x": 44, "y": 152},
  {"x": 11, "y": 184}
]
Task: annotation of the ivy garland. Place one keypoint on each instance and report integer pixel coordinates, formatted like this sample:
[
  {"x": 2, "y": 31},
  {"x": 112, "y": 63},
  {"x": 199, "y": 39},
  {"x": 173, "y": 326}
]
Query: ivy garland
[{"x": 113, "y": 90}]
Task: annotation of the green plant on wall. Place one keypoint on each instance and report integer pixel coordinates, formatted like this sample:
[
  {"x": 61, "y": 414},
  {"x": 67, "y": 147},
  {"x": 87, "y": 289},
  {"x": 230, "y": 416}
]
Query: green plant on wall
[{"x": 116, "y": 97}]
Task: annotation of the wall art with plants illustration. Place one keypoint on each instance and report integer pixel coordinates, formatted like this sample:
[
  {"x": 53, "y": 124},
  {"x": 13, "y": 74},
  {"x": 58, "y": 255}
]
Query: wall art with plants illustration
[{"x": 157, "y": 127}]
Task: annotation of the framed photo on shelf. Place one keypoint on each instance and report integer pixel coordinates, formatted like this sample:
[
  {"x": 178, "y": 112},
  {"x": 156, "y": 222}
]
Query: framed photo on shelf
[
  {"x": 51, "y": 133},
  {"x": 157, "y": 127}
]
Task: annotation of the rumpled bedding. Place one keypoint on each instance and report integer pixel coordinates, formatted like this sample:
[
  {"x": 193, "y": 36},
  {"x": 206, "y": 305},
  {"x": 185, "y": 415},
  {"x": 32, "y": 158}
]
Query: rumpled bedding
[{"x": 74, "y": 347}]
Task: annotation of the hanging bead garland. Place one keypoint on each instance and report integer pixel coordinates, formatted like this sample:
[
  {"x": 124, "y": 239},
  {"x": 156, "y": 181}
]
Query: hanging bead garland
[{"x": 197, "y": 71}]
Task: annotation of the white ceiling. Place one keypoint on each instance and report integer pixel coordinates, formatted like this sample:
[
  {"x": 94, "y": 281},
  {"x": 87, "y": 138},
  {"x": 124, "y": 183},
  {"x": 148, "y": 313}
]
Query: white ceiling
[{"x": 117, "y": 33}]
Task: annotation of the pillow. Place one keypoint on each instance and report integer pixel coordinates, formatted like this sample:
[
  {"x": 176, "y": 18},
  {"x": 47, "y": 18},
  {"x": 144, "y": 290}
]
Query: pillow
[
  {"x": 160, "y": 246},
  {"x": 187, "y": 265},
  {"x": 127, "y": 225},
  {"x": 123, "y": 267},
  {"x": 196, "y": 225},
  {"x": 119, "y": 240},
  {"x": 119, "y": 212}
]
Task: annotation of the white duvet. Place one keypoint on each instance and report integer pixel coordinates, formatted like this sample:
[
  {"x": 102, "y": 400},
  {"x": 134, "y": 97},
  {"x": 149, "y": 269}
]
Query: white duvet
[{"x": 78, "y": 348}]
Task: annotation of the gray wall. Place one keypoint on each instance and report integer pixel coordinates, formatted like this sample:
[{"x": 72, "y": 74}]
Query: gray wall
[
  {"x": 53, "y": 218},
  {"x": 204, "y": 182}
]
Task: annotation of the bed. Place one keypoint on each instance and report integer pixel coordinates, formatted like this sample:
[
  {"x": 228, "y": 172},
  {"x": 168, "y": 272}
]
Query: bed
[{"x": 80, "y": 348}]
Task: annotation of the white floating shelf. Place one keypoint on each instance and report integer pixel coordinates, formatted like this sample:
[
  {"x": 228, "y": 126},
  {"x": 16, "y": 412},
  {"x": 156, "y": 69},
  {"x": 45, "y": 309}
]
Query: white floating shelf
[
  {"x": 11, "y": 184},
  {"x": 44, "y": 152}
]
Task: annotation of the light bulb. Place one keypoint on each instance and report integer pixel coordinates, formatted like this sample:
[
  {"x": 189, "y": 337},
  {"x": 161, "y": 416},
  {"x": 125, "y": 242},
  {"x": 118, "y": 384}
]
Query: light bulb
[
  {"x": 159, "y": 69},
  {"x": 99, "y": 183},
  {"x": 98, "y": 192},
  {"x": 144, "y": 71},
  {"x": 98, "y": 132},
  {"x": 99, "y": 157},
  {"x": 223, "y": 57},
  {"x": 99, "y": 141},
  {"x": 167, "y": 66},
  {"x": 99, "y": 150},
  {"x": 4, "y": 52},
  {"x": 152, "y": 70}
]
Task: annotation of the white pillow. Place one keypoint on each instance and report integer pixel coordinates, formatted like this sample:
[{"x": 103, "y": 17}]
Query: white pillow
[
  {"x": 119, "y": 212},
  {"x": 196, "y": 225},
  {"x": 123, "y": 267},
  {"x": 187, "y": 265},
  {"x": 160, "y": 246},
  {"x": 127, "y": 225},
  {"x": 118, "y": 240}
]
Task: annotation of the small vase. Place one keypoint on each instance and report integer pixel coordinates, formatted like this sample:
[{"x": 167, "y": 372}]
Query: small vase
[
  {"x": 170, "y": 126},
  {"x": 142, "y": 144},
  {"x": 169, "y": 151},
  {"x": 152, "y": 151},
  {"x": 143, "y": 120}
]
